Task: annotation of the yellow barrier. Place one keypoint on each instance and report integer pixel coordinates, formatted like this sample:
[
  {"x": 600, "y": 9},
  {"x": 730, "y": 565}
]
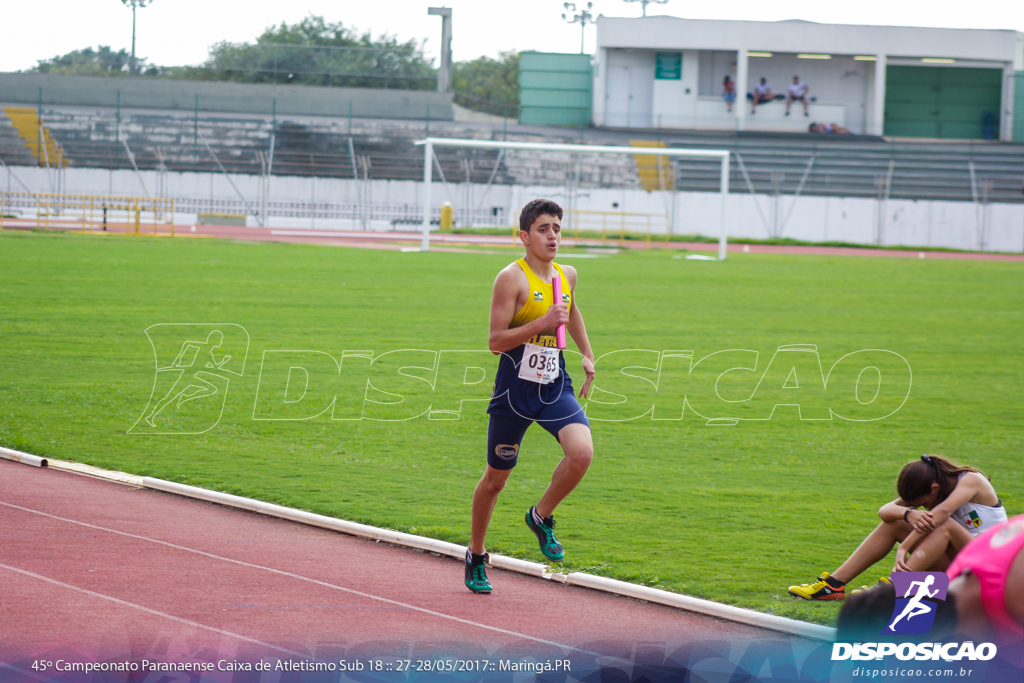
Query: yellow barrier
[
  {"x": 88, "y": 211},
  {"x": 626, "y": 222},
  {"x": 631, "y": 223}
]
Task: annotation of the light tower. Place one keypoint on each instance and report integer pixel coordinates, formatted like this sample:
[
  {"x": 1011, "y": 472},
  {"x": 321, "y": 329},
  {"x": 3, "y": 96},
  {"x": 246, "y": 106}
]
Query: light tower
[
  {"x": 444, "y": 74},
  {"x": 583, "y": 17},
  {"x": 645, "y": 3},
  {"x": 134, "y": 4}
]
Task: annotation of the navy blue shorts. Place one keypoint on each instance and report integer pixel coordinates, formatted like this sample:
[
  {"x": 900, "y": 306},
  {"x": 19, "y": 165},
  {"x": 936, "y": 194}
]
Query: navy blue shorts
[{"x": 517, "y": 403}]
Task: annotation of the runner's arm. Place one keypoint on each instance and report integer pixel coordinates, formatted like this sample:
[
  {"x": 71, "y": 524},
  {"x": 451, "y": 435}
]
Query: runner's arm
[
  {"x": 921, "y": 520},
  {"x": 578, "y": 331},
  {"x": 969, "y": 486},
  {"x": 503, "y": 308},
  {"x": 966, "y": 488},
  {"x": 892, "y": 511},
  {"x": 905, "y": 548}
]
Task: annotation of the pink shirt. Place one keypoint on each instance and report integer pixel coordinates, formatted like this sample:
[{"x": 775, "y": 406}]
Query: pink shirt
[{"x": 989, "y": 557}]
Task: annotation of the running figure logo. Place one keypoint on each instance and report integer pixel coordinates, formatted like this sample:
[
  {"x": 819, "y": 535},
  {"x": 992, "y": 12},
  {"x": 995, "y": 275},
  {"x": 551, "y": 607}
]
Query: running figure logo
[
  {"x": 914, "y": 612},
  {"x": 193, "y": 367}
]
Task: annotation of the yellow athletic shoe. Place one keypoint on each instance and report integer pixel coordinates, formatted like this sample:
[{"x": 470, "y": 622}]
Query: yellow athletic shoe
[
  {"x": 819, "y": 590},
  {"x": 883, "y": 581}
]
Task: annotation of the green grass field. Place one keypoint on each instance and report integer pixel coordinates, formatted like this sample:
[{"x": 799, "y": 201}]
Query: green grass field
[{"x": 734, "y": 514}]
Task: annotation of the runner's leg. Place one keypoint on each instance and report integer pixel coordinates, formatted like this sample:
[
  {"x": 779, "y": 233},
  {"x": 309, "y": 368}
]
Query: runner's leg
[
  {"x": 504, "y": 436},
  {"x": 578, "y": 446},
  {"x": 936, "y": 550},
  {"x": 872, "y": 549},
  {"x": 484, "y": 499}
]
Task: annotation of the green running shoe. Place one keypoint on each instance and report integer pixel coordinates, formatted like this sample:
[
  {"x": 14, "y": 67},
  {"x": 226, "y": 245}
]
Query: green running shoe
[
  {"x": 476, "y": 572},
  {"x": 545, "y": 532}
]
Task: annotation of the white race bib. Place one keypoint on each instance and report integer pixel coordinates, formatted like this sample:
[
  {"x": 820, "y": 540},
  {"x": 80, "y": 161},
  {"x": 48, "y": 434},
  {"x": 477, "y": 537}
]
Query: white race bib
[{"x": 540, "y": 364}]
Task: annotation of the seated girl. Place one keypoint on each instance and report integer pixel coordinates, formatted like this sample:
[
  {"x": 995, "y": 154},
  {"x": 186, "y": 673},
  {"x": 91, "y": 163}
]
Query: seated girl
[
  {"x": 983, "y": 603},
  {"x": 959, "y": 503}
]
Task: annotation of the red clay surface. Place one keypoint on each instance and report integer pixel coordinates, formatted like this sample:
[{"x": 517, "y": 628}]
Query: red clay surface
[
  {"x": 451, "y": 242},
  {"x": 92, "y": 570}
]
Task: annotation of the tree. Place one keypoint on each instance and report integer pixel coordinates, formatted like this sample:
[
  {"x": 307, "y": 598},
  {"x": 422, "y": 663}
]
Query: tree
[
  {"x": 489, "y": 85},
  {"x": 317, "y": 52},
  {"x": 88, "y": 62}
]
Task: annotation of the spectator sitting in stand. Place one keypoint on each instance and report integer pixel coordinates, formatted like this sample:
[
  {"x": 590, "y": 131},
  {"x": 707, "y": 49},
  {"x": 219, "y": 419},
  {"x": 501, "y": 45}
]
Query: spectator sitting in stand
[
  {"x": 797, "y": 92},
  {"x": 762, "y": 93},
  {"x": 728, "y": 92},
  {"x": 828, "y": 128}
]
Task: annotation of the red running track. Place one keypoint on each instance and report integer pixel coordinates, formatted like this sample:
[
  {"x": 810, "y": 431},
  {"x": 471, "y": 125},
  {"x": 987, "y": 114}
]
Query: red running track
[
  {"x": 92, "y": 570},
  {"x": 455, "y": 242}
]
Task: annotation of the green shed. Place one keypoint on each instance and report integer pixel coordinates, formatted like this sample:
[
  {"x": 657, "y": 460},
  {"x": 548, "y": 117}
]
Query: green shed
[
  {"x": 943, "y": 102},
  {"x": 1018, "y": 107},
  {"x": 555, "y": 89}
]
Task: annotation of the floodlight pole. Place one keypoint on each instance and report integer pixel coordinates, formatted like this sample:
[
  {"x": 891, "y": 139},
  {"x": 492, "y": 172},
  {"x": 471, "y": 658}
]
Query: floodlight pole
[
  {"x": 444, "y": 73},
  {"x": 583, "y": 18},
  {"x": 132, "y": 64},
  {"x": 132, "y": 68},
  {"x": 644, "y": 3}
]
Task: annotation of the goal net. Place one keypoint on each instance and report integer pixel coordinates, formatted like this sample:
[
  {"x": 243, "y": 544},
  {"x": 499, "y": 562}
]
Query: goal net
[{"x": 611, "y": 190}]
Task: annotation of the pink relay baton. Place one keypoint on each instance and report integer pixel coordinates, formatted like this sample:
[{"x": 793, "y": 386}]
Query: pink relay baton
[{"x": 556, "y": 285}]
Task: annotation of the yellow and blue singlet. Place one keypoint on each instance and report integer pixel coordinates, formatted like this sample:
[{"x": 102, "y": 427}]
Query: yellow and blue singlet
[{"x": 539, "y": 300}]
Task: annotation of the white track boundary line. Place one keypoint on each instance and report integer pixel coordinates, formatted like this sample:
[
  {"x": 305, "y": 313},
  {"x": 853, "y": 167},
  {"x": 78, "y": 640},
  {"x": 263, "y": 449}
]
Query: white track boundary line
[
  {"x": 279, "y": 572},
  {"x": 707, "y": 607},
  {"x": 147, "y": 610}
]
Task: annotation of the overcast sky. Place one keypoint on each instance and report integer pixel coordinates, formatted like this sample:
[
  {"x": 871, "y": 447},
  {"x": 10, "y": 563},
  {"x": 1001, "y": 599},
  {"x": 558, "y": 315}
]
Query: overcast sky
[{"x": 179, "y": 32}]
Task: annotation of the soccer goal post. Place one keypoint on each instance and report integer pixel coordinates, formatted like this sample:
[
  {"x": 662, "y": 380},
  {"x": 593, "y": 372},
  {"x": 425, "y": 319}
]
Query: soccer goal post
[{"x": 429, "y": 160}]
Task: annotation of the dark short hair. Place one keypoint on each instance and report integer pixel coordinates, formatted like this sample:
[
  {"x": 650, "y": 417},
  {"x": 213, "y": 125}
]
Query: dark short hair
[
  {"x": 865, "y": 614},
  {"x": 536, "y": 208}
]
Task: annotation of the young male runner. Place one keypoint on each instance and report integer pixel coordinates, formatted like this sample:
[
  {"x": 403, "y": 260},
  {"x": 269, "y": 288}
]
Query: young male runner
[{"x": 531, "y": 384}]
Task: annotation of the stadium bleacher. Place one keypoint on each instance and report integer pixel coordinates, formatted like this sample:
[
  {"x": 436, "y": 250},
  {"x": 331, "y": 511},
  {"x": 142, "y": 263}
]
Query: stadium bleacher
[
  {"x": 13, "y": 149},
  {"x": 855, "y": 166}
]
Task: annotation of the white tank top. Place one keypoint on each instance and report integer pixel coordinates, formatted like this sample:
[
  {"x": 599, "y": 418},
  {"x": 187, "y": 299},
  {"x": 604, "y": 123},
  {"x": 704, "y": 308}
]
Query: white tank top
[{"x": 979, "y": 518}]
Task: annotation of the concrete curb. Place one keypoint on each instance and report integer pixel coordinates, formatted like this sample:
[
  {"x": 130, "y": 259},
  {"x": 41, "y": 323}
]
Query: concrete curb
[
  {"x": 661, "y": 597},
  {"x": 18, "y": 456}
]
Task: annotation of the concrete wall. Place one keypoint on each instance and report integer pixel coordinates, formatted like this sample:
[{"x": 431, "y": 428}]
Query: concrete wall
[
  {"x": 925, "y": 224},
  {"x": 667, "y": 33},
  {"x": 239, "y": 98},
  {"x": 629, "y": 89}
]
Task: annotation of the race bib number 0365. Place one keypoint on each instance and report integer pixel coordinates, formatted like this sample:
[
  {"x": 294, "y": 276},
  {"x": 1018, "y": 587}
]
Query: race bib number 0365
[{"x": 540, "y": 364}]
